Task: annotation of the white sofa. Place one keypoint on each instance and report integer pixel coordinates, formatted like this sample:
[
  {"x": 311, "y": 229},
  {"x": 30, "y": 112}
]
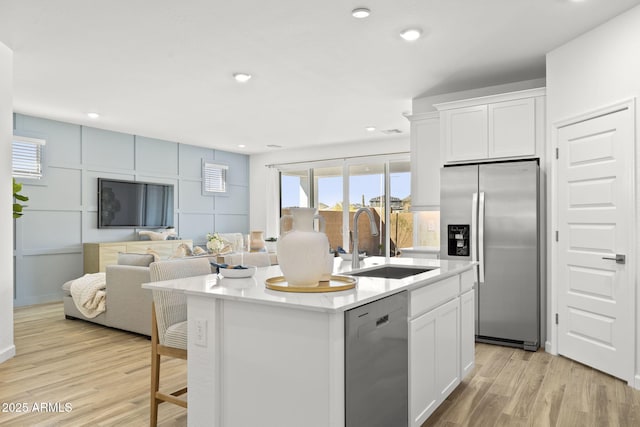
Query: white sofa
[{"x": 128, "y": 305}]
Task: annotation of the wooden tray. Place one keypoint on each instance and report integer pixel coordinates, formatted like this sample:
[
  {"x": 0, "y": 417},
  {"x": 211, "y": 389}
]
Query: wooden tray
[{"x": 337, "y": 283}]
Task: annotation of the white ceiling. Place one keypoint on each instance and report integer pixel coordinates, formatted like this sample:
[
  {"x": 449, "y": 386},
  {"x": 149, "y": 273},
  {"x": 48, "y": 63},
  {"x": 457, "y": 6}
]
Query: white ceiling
[{"x": 163, "y": 69}]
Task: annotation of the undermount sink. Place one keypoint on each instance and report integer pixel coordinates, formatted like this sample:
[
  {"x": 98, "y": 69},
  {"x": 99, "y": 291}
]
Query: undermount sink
[{"x": 392, "y": 271}]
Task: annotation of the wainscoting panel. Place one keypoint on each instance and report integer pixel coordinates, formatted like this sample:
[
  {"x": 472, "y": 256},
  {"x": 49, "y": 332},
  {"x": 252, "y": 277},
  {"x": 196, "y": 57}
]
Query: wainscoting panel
[
  {"x": 62, "y": 210},
  {"x": 110, "y": 150},
  {"x": 62, "y": 191},
  {"x": 43, "y": 275},
  {"x": 235, "y": 200},
  {"x": 232, "y": 223},
  {"x": 191, "y": 198},
  {"x": 64, "y": 137},
  {"x": 45, "y": 230},
  {"x": 197, "y": 225},
  {"x": 238, "y": 173},
  {"x": 190, "y": 160},
  {"x": 154, "y": 156}
]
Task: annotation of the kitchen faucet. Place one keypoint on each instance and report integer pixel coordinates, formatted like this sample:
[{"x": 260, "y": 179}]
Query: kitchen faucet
[{"x": 355, "y": 256}]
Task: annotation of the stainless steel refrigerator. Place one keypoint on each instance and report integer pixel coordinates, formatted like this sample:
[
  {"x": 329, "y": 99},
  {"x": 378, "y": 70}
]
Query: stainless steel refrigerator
[{"x": 489, "y": 213}]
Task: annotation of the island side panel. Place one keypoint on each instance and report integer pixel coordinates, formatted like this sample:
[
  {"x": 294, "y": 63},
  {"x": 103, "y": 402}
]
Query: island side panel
[
  {"x": 281, "y": 366},
  {"x": 203, "y": 361}
]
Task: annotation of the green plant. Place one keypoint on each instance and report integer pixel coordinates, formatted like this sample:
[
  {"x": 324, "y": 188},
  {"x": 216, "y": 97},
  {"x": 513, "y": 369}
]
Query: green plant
[{"x": 17, "y": 207}]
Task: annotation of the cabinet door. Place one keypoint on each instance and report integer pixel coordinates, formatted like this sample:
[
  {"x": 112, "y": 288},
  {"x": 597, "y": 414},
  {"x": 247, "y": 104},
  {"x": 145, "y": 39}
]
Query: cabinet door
[
  {"x": 425, "y": 163},
  {"x": 423, "y": 396},
  {"x": 164, "y": 248},
  {"x": 467, "y": 333},
  {"x": 465, "y": 133},
  {"x": 447, "y": 347},
  {"x": 434, "y": 366},
  {"x": 512, "y": 128}
]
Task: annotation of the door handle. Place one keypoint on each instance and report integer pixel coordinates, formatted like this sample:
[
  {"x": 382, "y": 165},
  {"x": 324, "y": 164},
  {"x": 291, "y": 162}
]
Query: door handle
[
  {"x": 619, "y": 259},
  {"x": 481, "y": 236}
]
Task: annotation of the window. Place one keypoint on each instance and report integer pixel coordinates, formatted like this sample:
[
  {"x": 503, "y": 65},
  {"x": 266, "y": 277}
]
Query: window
[
  {"x": 27, "y": 157},
  {"x": 367, "y": 190},
  {"x": 338, "y": 188},
  {"x": 327, "y": 191},
  {"x": 294, "y": 190},
  {"x": 214, "y": 178}
]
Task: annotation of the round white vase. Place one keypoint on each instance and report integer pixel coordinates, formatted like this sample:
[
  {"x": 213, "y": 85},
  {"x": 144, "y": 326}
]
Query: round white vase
[{"x": 303, "y": 252}]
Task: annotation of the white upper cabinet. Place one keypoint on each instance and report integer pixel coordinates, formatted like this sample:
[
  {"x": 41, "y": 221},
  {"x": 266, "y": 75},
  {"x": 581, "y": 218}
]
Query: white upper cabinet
[
  {"x": 509, "y": 125},
  {"x": 465, "y": 133},
  {"x": 425, "y": 161}
]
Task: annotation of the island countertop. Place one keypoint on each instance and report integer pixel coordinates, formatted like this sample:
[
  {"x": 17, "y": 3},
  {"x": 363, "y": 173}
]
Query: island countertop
[{"x": 367, "y": 289}]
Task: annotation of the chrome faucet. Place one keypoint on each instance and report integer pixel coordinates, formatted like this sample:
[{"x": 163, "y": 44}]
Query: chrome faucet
[{"x": 355, "y": 256}]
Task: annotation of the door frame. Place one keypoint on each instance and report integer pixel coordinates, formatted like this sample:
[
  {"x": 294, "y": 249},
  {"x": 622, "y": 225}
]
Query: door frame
[{"x": 551, "y": 344}]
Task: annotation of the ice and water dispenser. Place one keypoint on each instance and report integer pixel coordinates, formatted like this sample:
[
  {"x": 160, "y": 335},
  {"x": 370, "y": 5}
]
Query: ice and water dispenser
[{"x": 458, "y": 239}]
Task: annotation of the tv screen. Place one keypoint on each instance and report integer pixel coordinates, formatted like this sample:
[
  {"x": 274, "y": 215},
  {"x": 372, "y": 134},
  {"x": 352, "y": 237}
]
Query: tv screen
[{"x": 134, "y": 204}]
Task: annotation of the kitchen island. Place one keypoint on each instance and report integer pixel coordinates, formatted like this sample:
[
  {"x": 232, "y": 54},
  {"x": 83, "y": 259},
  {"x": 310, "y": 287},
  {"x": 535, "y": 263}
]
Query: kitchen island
[{"x": 271, "y": 358}]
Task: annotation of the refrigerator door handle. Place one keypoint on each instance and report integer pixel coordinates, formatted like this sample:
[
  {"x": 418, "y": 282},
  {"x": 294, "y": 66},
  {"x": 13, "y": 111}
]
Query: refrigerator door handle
[
  {"x": 474, "y": 224},
  {"x": 481, "y": 237}
]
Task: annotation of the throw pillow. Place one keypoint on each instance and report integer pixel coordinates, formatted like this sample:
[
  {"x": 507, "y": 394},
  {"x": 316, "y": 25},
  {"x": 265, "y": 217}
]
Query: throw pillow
[
  {"x": 140, "y": 260},
  {"x": 154, "y": 254},
  {"x": 199, "y": 251}
]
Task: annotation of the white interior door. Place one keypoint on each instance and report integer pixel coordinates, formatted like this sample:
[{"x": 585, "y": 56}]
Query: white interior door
[{"x": 595, "y": 222}]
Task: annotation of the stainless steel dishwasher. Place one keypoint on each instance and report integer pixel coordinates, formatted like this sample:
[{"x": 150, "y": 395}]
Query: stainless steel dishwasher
[{"x": 376, "y": 363}]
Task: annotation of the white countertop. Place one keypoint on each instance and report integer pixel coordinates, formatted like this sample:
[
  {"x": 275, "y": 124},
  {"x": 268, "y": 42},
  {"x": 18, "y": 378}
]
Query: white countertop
[
  {"x": 367, "y": 289},
  {"x": 421, "y": 250}
]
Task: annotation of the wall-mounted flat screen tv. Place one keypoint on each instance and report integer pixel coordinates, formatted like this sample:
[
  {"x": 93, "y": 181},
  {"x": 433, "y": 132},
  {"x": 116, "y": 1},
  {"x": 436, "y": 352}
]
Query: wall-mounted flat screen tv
[{"x": 134, "y": 204}]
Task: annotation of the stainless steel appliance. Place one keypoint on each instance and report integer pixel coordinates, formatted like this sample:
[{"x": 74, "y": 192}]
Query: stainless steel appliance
[
  {"x": 489, "y": 213},
  {"x": 376, "y": 363}
]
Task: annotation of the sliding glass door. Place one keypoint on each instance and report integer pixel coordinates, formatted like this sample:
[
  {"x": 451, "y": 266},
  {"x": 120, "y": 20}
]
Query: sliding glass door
[{"x": 338, "y": 189}]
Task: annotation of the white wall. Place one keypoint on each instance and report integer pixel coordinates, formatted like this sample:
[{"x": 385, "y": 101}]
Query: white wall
[
  {"x": 597, "y": 69},
  {"x": 7, "y": 349},
  {"x": 260, "y": 219}
]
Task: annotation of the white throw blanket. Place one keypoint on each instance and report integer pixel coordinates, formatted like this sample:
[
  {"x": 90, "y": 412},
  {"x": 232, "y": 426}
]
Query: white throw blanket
[{"x": 88, "y": 293}]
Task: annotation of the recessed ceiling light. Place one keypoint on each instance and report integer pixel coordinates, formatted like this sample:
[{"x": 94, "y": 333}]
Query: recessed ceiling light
[
  {"x": 370, "y": 128},
  {"x": 93, "y": 115},
  {"x": 360, "y": 12},
  {"x": 242, "y": 77},
  {"x": 411, "y": 34},
  {"x": 241, "y": 145}
]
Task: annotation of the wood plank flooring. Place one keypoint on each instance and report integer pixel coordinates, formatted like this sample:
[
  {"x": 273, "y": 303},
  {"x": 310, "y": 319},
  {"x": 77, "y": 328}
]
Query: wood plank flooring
[
  {"x": 512, "y": 387},
  {"x": 103, "y": 374}
]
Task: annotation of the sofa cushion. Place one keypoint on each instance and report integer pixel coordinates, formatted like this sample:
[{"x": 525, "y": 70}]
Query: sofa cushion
[
  {"x": 66, "y": 288},
  {"x": 139, "y": 260}
]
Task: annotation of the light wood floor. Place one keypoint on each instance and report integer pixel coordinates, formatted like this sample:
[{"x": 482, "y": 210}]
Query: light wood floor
[
  {"x": 104, "y": 375},
  {"x": 511, "y": 387}
]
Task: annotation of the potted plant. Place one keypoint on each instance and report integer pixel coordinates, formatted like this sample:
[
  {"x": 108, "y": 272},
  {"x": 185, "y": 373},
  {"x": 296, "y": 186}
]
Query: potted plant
[{"x": 17, "y": 207}]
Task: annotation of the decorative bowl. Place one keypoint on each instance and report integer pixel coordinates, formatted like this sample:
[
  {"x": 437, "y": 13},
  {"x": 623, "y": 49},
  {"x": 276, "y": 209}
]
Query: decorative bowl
[
  {"x": 348, "y": 257},
  {"x": 237, "y": 273}
]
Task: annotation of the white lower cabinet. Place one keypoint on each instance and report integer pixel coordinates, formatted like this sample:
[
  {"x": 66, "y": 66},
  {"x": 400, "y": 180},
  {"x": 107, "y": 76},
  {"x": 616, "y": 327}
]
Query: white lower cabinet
[
  {"x": 434, "y": 369},
  {"x": 467, "y": 333},
  {"x": 423, "y": 396},
  {"x": 441, "y": 343}
]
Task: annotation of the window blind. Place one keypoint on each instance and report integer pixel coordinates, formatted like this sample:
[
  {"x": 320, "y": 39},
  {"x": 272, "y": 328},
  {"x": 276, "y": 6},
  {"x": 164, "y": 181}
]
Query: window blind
[
  {"x": 27, "y": 157},
  {"x": 214, "y": 178}
]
